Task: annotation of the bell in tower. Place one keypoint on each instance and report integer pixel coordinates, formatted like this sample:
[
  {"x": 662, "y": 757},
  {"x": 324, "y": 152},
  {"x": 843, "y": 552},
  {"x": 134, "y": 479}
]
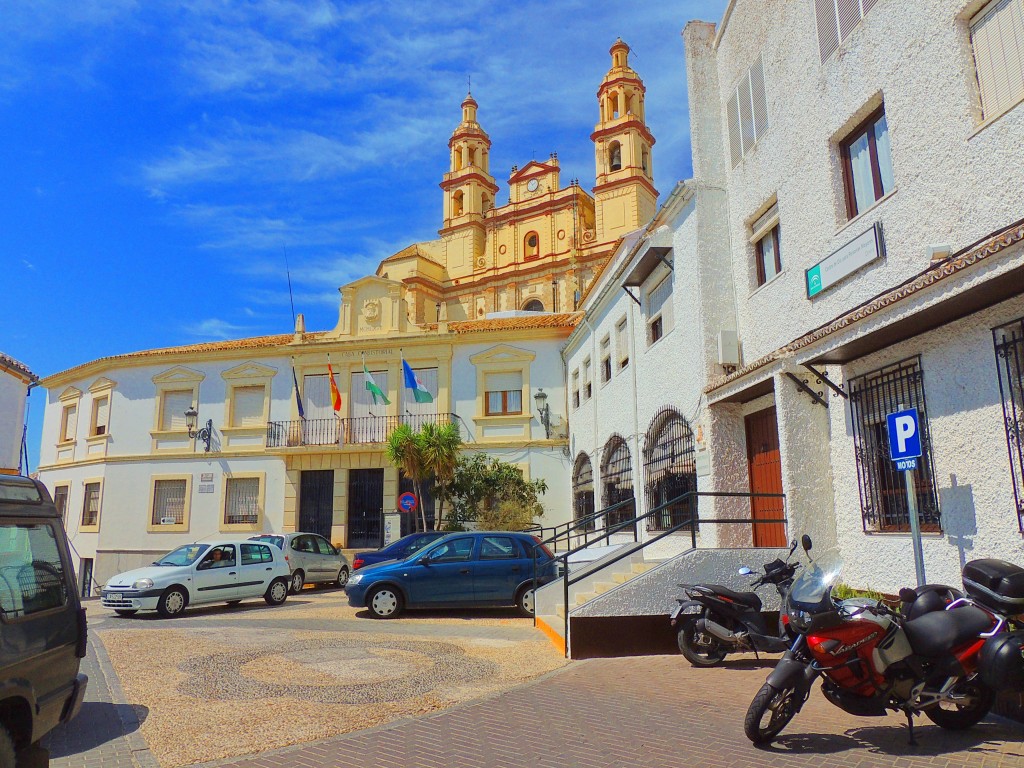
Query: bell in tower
[{"x": 624, "y": 194}]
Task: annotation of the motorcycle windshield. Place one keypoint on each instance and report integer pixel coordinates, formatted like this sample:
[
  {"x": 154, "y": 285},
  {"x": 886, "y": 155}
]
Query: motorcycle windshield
[{"x": 813, "y": 586}]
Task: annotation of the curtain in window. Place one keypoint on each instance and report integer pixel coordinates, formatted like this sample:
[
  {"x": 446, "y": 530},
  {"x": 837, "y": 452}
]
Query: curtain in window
[
  {"x": 860, "y": 165},
  {"x": 884, "y": 148},
  {"x": 316, "y": 393},
  {"x": 169, "y": 501}
]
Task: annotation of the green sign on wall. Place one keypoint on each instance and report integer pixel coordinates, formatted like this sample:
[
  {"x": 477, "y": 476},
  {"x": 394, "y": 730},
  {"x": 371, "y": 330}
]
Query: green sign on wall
[{"x": 863, "y": 249}]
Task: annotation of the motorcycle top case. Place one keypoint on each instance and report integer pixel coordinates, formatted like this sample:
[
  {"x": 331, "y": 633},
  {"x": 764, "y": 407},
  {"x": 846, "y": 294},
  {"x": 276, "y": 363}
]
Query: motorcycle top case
[{"x": 996, "y": 584}]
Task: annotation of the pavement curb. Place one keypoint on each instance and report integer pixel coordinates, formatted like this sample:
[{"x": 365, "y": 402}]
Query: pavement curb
[{"x": 130, "y": 725}]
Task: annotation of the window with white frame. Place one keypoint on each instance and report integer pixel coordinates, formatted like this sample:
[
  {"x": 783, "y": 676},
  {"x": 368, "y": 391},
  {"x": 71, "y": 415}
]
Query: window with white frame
[
  {"x": 504, "y": 393},
  {"x": 747, "y": 112},
  {"x": 767, "y": 250},
  {"x": 173, "y": 404},
  {"x": 622, "y": 342},
  {"x": 169, "y": 499},
  {"x": 576, "y": 388},
  {"x": 997, "y": 39},
  {"x": 836, "y": 20},
  {"x": 659, "y": 310},
  {"x": 242, "y": 501},
  {"x": 247, "y": 405},
  {"x": 588, "y": 387}
]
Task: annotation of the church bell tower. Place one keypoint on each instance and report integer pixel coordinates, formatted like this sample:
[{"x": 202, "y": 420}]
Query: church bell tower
[
  {"x": 624, "y": 194},
  {"x": 469, "y": 192}
]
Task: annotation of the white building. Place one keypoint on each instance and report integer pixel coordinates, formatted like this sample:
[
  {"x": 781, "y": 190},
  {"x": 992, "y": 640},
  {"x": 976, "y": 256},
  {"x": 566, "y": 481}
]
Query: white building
[
  {"x": 15, "y": 380},
  {"x": 118, "y": 455},
  {"x": 854, "y": 223}
]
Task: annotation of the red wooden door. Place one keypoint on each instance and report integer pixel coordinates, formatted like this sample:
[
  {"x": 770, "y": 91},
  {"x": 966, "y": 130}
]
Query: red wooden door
[{"x": 765, "y": 468}]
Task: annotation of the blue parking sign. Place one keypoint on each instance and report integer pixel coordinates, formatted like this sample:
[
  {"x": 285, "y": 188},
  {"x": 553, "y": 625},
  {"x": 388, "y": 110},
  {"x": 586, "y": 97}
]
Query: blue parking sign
[{"x": 904, "y": 438}]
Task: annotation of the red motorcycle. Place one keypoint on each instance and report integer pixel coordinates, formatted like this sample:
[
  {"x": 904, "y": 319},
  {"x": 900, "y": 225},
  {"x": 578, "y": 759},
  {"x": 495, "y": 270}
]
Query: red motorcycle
[{"x": 873, "y": 659}]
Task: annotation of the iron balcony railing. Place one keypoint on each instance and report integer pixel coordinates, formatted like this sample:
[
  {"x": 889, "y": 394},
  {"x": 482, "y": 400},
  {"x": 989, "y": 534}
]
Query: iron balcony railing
[
  {"x": 362, "y": 430},
  {"x": 691, "y": 523}
]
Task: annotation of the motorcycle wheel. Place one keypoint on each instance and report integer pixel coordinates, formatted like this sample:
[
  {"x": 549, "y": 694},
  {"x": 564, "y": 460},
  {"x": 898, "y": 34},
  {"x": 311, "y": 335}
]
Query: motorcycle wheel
[
  {"x": 978, "y": 700},
  {"x": 779, "y": 706},
  {"x": 699, "y": 648}
]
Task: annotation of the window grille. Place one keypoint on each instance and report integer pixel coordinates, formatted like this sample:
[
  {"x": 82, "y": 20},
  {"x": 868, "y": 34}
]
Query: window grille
[
  {"x": 1009, "y": 341},
  {"x": 883, "y": 492},
  {"x": 617, "y": 482},
  {"x": 583, "y": 491},
  {"x": 169, "y": 502},
  {"x": 242, "y": 505},
  {"x": 670, "y": 470}
]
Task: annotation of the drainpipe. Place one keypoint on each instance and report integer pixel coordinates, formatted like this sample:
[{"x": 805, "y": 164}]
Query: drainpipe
[{"x": 641, "y": 535}]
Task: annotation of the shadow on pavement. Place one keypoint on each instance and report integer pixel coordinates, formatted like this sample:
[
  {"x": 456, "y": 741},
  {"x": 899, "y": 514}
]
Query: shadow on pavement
[
  {"x": 216, "y": 609},
  {"x": 466, "y": 614},
  {"x": 97, "y": 723},
  {"x": 891, "y": 739}
]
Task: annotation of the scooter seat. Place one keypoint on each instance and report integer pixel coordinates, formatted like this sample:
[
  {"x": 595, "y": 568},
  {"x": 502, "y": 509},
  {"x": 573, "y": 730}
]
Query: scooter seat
[
  {"x": 743, "y": 598},
  {"x": 936, "y": 634}
]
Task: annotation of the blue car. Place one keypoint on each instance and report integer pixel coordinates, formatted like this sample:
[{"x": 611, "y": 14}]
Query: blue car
[
  {"x": 397, "y": 550},
  {"x": 462, "y": 570}
]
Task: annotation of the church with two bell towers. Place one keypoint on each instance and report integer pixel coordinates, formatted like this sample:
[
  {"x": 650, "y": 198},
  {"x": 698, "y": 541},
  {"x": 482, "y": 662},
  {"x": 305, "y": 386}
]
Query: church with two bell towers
[{"x": 542, "y": 249}]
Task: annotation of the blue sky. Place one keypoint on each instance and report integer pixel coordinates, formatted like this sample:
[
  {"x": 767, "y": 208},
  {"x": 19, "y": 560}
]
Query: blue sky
[{"x": 163, "y": 159}]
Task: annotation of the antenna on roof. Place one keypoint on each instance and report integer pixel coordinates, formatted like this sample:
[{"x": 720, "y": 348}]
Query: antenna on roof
[{"x": 288, "y": 272}]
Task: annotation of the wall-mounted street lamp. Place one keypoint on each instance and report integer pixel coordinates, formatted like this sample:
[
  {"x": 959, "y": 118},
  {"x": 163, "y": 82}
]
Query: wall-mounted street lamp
[
  {"x": 204, "y": 434},
  {"x": 543, "y": 411},
  {"x": 437, "y": 312}
]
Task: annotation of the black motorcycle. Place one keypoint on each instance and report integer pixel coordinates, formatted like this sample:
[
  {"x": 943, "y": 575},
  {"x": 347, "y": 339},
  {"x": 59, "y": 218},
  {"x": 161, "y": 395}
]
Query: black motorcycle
[{"x": 715, "y": 621}]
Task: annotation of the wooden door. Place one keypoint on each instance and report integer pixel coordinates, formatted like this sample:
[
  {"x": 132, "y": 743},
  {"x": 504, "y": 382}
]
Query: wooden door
[{"x": 765, "y": 467}]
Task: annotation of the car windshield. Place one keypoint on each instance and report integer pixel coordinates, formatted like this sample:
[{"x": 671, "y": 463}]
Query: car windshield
[
  {"x": 815, "y": 582},
  {"x": 277, "y": 541},
  {"x": 185, "y": 555}
]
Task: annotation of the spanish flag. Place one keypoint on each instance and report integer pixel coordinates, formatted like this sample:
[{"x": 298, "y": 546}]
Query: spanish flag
[{"x": 335, "y": 394}]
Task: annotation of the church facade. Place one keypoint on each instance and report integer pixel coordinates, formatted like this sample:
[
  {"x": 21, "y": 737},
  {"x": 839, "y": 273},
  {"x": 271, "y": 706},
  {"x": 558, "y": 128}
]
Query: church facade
[{"x": 479, "y": 314}]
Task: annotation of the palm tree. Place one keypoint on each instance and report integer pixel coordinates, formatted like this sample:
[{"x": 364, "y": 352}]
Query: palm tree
[
  {"x": 404, "y": 449},
  {"x": 440, "y": 453}
]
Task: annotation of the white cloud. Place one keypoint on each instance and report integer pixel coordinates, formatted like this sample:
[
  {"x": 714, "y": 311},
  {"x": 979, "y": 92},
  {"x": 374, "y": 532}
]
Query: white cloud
[{"x": 214, "y": 329}]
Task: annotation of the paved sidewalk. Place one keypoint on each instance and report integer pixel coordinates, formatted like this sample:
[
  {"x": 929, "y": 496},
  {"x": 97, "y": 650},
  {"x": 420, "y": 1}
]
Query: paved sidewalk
[
  {"x": 653, "y": 712},
  {"x": 105, "y": 733}
]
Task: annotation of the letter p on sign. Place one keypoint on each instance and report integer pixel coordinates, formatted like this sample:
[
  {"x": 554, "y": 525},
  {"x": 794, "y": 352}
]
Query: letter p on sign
[{"x": 904, "y": 435}]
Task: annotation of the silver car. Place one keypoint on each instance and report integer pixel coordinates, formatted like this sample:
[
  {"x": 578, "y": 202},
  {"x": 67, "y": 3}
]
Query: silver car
[{"x": 311, "y": 558}]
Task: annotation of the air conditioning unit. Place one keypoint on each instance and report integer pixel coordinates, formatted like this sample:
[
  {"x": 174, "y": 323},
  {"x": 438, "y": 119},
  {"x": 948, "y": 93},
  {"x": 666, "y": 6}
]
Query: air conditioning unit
[
  {"x": 728, "y": 348},
  {"x": 168, "y": 521}
]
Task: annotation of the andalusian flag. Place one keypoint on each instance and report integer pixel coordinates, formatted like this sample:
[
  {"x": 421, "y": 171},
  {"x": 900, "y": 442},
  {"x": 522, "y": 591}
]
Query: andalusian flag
[
  {"x": 371, "y": 385},
  {"x": 335, "y": 394},
  {"x": 419, "y": 389}
]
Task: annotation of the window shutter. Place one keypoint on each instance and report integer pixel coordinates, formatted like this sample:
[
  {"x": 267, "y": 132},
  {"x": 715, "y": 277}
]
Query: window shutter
[
  {"x": 849, "y": 16},
  {"x": 102, "y": 415},
  {"x": 997, "y": 34},
  {"x": 735, "y": 145},
  {"x": 867, "y": 5},
  {"x": 247, "y": 410},
  {"x": 746, "y": 113},
  {"x": 504, "y": 382},
  {"x": 175, "y": 405},
  {"x": 70, "y": 422},
  {"x": 316, "y": 391},
  {"x": 757, "y": 96},
  {"x": 828, "y": 27}
]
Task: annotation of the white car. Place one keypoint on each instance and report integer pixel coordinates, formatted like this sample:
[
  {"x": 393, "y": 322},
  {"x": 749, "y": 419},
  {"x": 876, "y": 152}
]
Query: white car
[{"x": 224, "y": 570}]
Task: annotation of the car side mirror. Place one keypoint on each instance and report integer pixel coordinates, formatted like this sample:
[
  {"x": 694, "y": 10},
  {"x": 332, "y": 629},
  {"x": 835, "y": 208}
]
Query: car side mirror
[
  {"x": 805, "y": 542},
  {"x": 425, "y": 560}
]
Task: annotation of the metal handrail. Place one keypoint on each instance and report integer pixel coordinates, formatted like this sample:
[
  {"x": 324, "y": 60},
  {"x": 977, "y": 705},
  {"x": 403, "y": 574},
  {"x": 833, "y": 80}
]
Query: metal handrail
[
  {"x": 692, "y": 520},
  {"x": 581, "y": 522}
]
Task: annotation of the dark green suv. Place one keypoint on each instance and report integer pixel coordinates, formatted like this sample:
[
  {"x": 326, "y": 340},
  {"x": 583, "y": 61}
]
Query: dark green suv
[{"x": 42, "y": 622}]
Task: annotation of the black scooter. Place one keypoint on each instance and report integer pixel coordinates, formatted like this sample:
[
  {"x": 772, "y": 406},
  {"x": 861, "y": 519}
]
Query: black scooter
[{"x": 715, "y": 621}]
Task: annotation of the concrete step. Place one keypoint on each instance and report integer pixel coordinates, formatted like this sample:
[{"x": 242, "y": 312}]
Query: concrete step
[
  {"x": 642, "y": 567},
  {"x": 583, "y": 597},
  {"x": 603, "y": 586}
]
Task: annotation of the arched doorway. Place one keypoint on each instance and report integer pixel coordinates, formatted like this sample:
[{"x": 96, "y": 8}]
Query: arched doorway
[
  {"x": 617, "y": 482},
  {"x": 533, "y": 305},
  {"x": 670, "y": 470},
  {"x": 583, "y": 491}
]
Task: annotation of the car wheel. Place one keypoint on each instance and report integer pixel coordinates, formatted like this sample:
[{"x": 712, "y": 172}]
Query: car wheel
[
  {"x": 525, "y": 601},
  {"x": 385, "y": 602},
  {"x": 298, "y": 582},
  {"x": 121, "y": 612},
  {"x": 277, "y": 592},
  {"x": 342, "y": 579},
  {"x": 6, "y": 748},
  {"x": 172, "y": 602}
]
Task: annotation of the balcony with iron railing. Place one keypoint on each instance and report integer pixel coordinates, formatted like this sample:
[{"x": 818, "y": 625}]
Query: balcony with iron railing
[{"x": 336, "y": 432}]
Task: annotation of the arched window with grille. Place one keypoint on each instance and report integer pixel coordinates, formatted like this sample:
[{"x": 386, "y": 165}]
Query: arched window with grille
[
  {"x": 533, "y": 305},
  {"x": 583, "y": 491},
  {"x": 617, "y": 482},
  {"x": 670, "y": 470}
]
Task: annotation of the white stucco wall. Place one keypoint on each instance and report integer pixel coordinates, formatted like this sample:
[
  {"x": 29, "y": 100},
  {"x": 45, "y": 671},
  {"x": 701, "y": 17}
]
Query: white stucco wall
[{"x": 13, "y": 395}]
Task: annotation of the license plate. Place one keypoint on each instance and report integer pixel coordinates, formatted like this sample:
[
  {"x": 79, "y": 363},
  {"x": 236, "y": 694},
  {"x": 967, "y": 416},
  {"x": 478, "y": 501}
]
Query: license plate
[{"x": 113, "y": 597}]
